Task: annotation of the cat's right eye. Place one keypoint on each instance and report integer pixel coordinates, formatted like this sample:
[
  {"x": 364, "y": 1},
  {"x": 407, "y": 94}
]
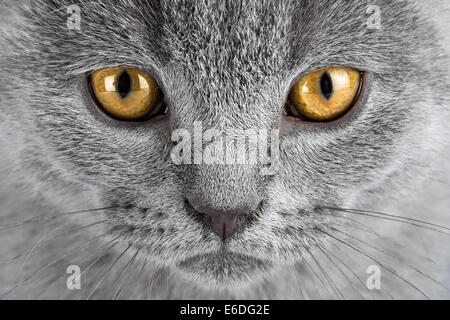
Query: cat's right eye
[{"x": 126, "y": 93}]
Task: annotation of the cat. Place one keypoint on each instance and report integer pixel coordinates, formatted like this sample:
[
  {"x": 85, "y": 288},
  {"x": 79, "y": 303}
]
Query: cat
[{"x": 95, "y": 208}]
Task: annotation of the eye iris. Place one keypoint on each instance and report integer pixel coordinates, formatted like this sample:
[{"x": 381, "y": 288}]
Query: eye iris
[
  {"x": 126, "y": 93},
  {"x": 124, "y": 84},
  {"x": 326, "y": 85},
  {"x": 325, "y": 94}
]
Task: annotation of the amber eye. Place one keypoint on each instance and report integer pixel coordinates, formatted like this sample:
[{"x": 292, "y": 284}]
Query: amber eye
[
  {"x": 325, "y": 94},
  {"x": 126, "y": 93}
]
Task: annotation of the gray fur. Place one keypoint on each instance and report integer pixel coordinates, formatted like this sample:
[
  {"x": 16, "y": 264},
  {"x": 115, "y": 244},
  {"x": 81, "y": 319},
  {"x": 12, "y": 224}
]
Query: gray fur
[{"x": 229, "y": 64}]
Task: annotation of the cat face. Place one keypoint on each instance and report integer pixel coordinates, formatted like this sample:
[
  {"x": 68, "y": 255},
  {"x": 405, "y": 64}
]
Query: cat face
[{"x": 228, "y": 65}]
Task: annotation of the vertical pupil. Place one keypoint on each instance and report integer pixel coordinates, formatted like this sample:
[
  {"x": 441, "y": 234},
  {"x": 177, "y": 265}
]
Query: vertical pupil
[
  {"x": 326, "y": 85},
  {"x": 124, "y": 84}
]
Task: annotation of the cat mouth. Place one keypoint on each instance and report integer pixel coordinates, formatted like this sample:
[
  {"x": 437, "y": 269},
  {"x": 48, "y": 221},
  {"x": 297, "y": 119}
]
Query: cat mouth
[{"x": 223, "y": 267}]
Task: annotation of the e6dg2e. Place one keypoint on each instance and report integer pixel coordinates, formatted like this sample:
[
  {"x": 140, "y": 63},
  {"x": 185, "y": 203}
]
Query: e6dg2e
[{"x": 250, "y": 309}]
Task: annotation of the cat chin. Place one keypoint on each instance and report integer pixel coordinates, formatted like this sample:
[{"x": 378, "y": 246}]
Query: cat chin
[{"x": 223, "y": 269}]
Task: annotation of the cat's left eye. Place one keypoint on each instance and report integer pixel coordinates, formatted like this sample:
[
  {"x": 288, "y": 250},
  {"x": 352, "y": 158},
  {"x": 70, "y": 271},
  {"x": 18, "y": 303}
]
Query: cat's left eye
[
  {"x": 324, "y": 95},
  {"x": 126, "y": 93}
]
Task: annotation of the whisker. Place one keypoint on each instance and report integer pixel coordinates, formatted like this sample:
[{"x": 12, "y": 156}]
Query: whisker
[
  {"x": 17, "y": 285},
  {"x": 149, "y": 285},
  {"x": 351, "y": 270},
  {"x": 391, "y": 254},
  {"x": 364, "y": 228},
  {"x": 48, "y": 285},
  {"x": 116, "y": 295},
  {"x": 47, "y": 218},
  {"x": 396, "y": 218},
  {"x": 329, "y": 280},
  {"x": 388, "y": 253},
  {"x": 325, "y": 253},
  {"x": 6, "y": 261},
  {"x": 401, "y": 217},
  {"x": 113, "y": 243},
  {"x": 52, "y": 281},
  {"x": 373, "y": 259},
  {"x": 317, "y": 276},
  {"x": 142, "y": 270},
  {"x": 106, "y": 273},
  {"x": 98, "y": 258},
  {"x": 300, "y": 281},
  {"x": 30, "y": 251}
]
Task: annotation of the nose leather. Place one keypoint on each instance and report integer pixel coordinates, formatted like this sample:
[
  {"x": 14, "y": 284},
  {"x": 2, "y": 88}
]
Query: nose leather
[{"x": 223, "y": 223}]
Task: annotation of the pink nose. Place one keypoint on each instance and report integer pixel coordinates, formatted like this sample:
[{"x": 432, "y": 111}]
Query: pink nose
[{"x": 224, "y": 223}]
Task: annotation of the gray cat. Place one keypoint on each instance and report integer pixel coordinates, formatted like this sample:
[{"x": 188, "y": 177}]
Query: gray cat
[{"x": 95, "y": 207}]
